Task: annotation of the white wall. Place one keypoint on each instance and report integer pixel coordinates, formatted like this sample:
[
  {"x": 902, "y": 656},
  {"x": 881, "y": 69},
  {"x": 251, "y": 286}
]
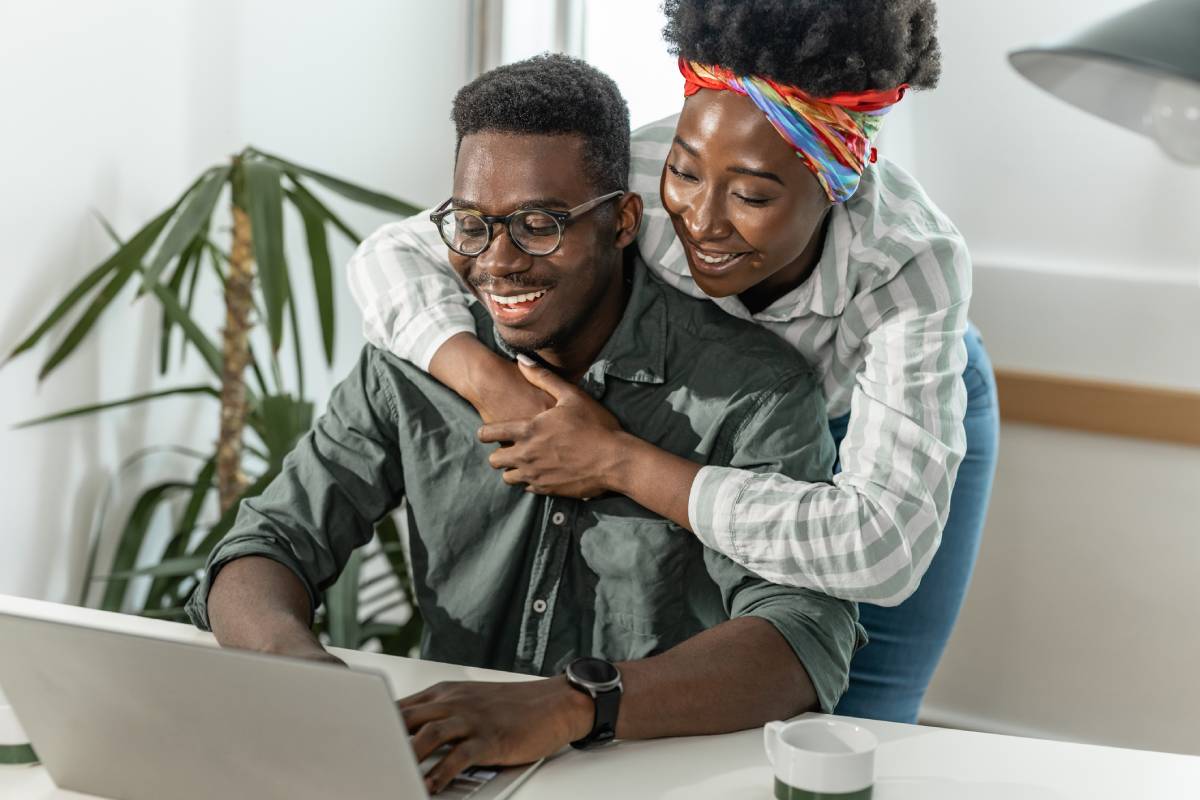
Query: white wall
[
  {"x": 1079, "y": 623},
  {"x": 116, "y": 107}
]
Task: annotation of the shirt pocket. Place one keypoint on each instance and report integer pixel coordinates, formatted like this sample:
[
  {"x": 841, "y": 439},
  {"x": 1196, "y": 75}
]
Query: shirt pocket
[{"x": 640, "y": 582}]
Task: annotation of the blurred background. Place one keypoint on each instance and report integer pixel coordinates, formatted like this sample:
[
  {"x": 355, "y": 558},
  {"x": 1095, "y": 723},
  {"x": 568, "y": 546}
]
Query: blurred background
[{"x": 1085, "y": 237}]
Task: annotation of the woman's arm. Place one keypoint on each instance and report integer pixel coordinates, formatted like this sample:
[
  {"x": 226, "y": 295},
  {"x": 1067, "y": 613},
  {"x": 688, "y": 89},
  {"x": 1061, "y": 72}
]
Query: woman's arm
[
  {"x": 867, "y": 536},
  {"x": 870, "y": 535}
]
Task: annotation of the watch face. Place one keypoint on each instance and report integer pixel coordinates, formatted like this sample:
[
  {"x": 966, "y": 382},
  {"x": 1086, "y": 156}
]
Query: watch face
[{"x": 593, "y": 671}]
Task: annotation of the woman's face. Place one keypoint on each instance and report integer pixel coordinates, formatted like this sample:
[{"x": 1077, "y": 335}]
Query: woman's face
[{"x": 747, "y": 210}]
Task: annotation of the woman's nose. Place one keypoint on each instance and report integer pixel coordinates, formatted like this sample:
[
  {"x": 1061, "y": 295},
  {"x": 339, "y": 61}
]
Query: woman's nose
[{"x": 705, "y": 217}]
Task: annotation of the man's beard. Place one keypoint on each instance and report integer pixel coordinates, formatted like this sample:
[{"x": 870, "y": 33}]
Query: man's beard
[{"x": 553, "y": 340}]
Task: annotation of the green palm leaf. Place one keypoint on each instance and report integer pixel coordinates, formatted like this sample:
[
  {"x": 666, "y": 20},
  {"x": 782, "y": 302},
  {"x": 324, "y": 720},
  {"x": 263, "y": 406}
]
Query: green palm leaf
[
  {"x": 130, "y": 543},
  {"x": 322, "y": 269},
  {"x": 96, "y": 407},
  {"x": 346, "y": 189},
  {"x": 191, "y": 331},
  {"x": 123, "y": 264},
  {"x": 187, "y": 264},
  {"x": 341, "y": 605},
  {"x": 177, "y": 546},
  {"x": 194, "y": 214},
  {"x": 263, "y": 201},
  {"x": 312, "y": 200}
]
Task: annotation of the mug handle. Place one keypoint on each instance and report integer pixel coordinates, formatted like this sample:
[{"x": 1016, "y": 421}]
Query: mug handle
[{"x": 771, "y": 733}]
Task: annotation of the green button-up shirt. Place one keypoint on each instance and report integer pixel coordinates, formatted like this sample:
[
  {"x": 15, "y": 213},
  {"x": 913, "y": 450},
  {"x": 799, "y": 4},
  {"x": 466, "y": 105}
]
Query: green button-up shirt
[{"x": 516, "y": 581}]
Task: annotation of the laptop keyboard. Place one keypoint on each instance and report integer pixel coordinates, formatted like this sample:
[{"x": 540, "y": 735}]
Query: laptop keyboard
[{"x": 466, "y": 783}]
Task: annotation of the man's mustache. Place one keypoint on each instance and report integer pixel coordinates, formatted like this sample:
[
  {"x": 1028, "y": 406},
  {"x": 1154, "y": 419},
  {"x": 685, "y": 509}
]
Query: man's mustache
[{"x": 485, "y": 284}]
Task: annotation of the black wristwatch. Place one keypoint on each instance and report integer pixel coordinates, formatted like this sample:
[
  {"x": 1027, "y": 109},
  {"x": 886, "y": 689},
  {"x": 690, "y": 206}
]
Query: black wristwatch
[{"x": 601, "y": 681}]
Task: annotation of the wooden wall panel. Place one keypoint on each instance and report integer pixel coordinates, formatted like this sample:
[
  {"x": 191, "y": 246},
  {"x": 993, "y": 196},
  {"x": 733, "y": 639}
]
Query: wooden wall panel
[{"x": 1144, "y": 412}]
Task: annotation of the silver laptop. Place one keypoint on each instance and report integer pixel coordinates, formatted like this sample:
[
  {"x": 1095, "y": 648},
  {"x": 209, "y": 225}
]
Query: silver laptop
[{"x": 132, "y": 717}]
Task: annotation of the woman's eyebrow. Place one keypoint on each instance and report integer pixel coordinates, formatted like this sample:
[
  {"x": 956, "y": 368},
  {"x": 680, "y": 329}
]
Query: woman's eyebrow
[
  {"x": 687, "y": 146},
  {"x": 757, "y": 173}
]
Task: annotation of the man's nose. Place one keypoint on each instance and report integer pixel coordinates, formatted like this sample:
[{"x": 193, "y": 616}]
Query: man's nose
[
  {"x": 705, "y": 217},
  {"x": 502, "y": 257}
]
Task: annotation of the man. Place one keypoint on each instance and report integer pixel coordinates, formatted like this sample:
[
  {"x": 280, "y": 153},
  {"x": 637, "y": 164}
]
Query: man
[{"x": 539, "y": 227}]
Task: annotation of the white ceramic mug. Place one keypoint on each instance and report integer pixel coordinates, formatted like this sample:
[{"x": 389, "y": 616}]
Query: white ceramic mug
[
  {"x": 14, "y": 744},
  {"x": 821, "y": 759}
]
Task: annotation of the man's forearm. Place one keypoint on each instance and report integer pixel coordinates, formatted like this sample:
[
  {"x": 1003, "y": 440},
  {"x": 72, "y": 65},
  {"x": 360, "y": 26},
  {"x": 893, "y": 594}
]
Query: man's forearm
[
  {"x": 737, "y": 675},
  {"x": 259, "y": 604}
]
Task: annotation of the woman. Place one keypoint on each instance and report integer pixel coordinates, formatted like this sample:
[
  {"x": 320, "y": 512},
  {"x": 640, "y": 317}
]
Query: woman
[{"x": 766, "y": 196}]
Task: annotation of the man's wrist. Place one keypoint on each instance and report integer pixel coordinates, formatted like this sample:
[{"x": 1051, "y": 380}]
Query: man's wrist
[{"x": 578, "y": 709}]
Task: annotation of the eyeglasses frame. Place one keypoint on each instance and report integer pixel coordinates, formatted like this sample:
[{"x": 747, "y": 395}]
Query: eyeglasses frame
[{"x": 561, "y": 218}]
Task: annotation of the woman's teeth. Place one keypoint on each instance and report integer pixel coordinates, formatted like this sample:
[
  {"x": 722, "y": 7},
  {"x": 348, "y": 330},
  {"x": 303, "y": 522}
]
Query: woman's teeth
[
  {"x": 714, "y": 259},
  {"x": 517, "y": 298}
]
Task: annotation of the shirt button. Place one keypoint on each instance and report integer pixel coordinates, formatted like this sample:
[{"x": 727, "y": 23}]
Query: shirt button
[
  {"x": 539, "y": 606},
  {"x": 558, "y": 518}
]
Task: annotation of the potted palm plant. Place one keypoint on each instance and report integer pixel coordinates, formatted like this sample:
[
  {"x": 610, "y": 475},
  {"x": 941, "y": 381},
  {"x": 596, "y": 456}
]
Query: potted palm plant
[{"x": 257, "y": 417}]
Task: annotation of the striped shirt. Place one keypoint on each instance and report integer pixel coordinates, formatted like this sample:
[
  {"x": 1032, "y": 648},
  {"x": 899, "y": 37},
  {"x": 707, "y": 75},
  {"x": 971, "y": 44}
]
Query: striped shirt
[{"x": 882, "y": 319}]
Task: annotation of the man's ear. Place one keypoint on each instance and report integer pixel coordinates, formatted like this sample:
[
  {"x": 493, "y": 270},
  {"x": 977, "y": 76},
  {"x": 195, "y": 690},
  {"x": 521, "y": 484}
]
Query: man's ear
[{"x": 629, "y": 219}]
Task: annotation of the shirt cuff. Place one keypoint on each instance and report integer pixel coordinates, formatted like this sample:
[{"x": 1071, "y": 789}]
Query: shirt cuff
[
  {"x": 824, "y": 653},
  {"x": 715, "y": 493},
  {"x": 429, "y": 329},
  {"x": 197, "y": 605}
]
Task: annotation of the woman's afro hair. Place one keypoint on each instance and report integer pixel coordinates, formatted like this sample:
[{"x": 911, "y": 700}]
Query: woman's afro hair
[{"x": 820, "y": 46}]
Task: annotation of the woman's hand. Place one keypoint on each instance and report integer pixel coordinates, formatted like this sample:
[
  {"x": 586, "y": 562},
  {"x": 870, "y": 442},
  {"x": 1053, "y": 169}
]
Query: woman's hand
[{"x": 570, "y": 450}]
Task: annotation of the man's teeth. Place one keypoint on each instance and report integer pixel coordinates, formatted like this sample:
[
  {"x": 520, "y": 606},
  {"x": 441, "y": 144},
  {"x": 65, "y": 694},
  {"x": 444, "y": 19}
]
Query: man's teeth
[
  {"x": 517, "y": 298},
  {"x": 714, "y": 259}
]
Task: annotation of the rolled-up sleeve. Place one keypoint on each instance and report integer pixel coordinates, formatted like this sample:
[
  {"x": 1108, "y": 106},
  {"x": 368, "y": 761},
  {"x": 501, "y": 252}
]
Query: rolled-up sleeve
[
  {"x": 786, "y": 432},
  {"x": 338, "y": 481}
]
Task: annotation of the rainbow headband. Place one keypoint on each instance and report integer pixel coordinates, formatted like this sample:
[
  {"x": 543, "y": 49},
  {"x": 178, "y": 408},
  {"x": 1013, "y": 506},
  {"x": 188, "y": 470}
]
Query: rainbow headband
[{"x": 832, "y": 135}]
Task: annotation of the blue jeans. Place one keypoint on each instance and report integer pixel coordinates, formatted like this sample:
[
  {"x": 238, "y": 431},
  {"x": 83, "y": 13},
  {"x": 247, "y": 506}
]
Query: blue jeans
[{"x": 889, "y": 676}]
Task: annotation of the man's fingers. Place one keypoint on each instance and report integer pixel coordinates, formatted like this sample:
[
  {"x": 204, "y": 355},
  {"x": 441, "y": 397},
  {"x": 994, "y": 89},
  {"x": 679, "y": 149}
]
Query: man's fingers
[
  {"x": 510, "y": 431},
  {"x": 459, "y": 758},
  {"x": 417, "y": 715},
  {"x": 433, "y": 735}
]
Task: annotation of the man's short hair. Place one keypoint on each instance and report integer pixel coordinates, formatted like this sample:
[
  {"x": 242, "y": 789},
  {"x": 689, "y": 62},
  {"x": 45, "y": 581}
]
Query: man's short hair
[{"x": 552, "y": 94}]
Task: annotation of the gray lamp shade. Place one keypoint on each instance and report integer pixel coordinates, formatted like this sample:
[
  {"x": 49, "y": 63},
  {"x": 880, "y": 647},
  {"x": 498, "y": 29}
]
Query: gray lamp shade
[{"x": 1139, "y": 69}]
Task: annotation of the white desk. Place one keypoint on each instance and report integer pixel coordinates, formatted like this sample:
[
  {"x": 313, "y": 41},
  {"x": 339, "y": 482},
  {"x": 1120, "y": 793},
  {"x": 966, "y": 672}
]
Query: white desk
[{"x": 913, "y": 762}]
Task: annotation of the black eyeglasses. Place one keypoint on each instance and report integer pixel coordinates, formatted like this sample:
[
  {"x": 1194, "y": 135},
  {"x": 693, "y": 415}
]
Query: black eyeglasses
[{"x": 537, "y": 231}]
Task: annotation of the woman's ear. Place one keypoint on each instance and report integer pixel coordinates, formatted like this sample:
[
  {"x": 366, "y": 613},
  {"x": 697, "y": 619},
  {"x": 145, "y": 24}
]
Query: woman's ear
[{"x": 629, "y": 218}]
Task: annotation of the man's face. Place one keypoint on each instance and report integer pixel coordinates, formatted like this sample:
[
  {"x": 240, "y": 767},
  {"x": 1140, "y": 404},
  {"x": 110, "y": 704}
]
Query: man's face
[{"x": 499, "y": 173}]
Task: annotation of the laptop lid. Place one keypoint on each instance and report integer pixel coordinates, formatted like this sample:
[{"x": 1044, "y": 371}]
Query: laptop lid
[{"x": 128, "y": 716}]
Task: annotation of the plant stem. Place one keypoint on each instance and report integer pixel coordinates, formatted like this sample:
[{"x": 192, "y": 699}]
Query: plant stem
[{"x": 239, "y": 286}]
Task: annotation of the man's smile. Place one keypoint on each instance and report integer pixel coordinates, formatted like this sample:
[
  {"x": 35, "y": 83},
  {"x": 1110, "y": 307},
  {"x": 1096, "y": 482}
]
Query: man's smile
[{"x": 513, "y": 308}]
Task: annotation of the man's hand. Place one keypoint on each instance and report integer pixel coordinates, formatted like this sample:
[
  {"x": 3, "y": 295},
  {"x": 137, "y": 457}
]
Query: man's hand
[
  {"x": 494, "y": 724},
  {"x": 570, "y": 450}
]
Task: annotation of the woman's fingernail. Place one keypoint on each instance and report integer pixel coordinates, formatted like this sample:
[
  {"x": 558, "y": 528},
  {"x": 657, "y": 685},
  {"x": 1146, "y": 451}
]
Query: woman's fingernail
[{"x": 526, "y": 360}]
